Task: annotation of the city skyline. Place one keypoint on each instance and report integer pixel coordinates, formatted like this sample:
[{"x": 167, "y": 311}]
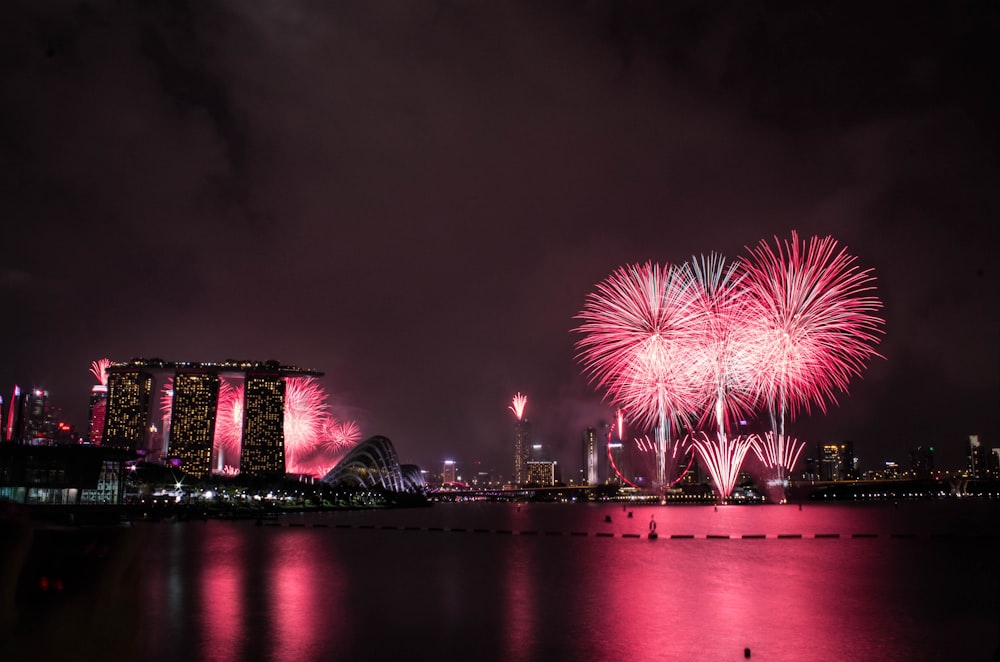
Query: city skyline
[{"x": 421, "y": 209}]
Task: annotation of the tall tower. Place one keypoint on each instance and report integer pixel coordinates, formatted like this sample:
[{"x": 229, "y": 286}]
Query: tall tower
[
  {"x": 263, "y": 449},
  {"x": 98, "y": 412},
  {"x": 14, "y": 418},
  {"x": 522, "y": 439},
  {"x": 590, "y": 455},
  {"x": 192, "y": 420},
  {"x": 37, "y": 401},
  {"x": 126, "y": 422}
]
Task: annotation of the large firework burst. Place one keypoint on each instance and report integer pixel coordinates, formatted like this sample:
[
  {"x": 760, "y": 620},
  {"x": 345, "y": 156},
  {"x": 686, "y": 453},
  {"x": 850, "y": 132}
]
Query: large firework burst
[
  {"x": 815, "y": 328},
  {"x": 638, "y": 330},
  {"x": 712, "y": 343}
]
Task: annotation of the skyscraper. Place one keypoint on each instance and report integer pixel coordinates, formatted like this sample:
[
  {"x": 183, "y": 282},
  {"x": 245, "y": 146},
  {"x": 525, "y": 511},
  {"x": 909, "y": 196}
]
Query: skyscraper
[
  {"x": 98, "y": 412},
  {"x": 263, "y": 448},
  {"x": 126, "y": 422},
  {"x": 522, "y": 446},
  {"x": 590, "y": 455},
  {"x": 36, "y": 408},
  {"x": 15, "y": 420},
  {"x": 192, "y": 420}
]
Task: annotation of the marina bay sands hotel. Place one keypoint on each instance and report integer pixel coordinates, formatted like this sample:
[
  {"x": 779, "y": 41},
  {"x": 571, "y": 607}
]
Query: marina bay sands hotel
[{"x": 130, "y": 407}]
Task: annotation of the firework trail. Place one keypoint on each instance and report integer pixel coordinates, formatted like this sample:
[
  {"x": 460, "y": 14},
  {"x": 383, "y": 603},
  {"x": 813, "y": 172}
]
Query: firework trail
[
  {"x": 778, "y": 452},
  {"x": 517, "y": 404},
  {"x": 639, "y": 328},
  {"x": 723, "y": 458},
  {"x": 99, "y": 369},
  {"x": 678, "y": 460}
]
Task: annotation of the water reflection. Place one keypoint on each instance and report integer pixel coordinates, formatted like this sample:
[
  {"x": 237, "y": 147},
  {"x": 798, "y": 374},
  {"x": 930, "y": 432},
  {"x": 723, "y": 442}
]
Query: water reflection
[{"x": 230, "y": 590}]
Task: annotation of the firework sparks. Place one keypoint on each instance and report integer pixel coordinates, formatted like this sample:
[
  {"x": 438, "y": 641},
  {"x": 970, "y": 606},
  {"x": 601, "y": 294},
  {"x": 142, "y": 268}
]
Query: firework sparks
[
  {"x": 639, "y": 328},
  {"x": 778, "y": 452},
  {"x": 723, "y": 458},
  {"x": 816, "y": 324},
  {"x": 99, "y": 369},
  {"x": 517, "y": 404}
]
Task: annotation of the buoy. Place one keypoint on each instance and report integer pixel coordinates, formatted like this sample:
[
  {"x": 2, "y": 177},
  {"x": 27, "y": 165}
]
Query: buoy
[{"x": 746, "y": 653}]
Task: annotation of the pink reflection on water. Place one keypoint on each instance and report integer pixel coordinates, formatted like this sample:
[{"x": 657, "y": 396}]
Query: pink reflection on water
[
  {"x": 301, "y": 628},
  {"x": 223, "y": 594},
  {"x": 520, "y": 603}
]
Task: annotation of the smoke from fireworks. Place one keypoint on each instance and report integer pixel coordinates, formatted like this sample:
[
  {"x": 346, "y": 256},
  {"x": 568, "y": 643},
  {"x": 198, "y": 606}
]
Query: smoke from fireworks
[
  {"x": 99, "y": 369},
  {"x": 517, "y": 404}
]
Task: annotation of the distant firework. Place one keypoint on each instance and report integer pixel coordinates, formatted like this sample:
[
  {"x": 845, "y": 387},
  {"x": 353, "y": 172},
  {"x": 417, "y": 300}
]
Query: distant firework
[
  {"x": 620, "y": 418},
  {"x": 229, "y": 420},
  {"x": 517, "y": 405},
  {"x": 705, "y": 344},
  {"x": 99, "y": 369},
  {"x": 314, "y": 438}
]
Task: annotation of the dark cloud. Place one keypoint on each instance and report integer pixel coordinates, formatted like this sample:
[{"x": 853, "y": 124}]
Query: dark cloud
[{"x": 416, "y": 198}]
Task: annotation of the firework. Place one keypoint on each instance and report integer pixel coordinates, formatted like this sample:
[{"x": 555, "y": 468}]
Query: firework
[
  {"x": 639, "y": 328},
  {"x": 816, "y": 326},
  {"x": 228, "y": 423},
  {"x": 778, "y": 452},
  {"x": 517, "y": 404},
  {"x": 710, "y": 343},
  {"x": 314, "y": 438},
  {"x": 99, "y": 369},
  {"x": 723, "y": 458}
]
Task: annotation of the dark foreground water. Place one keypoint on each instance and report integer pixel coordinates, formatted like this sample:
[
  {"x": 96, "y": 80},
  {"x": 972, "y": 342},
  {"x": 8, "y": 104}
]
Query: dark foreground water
[{"x": 483, "y": 582}]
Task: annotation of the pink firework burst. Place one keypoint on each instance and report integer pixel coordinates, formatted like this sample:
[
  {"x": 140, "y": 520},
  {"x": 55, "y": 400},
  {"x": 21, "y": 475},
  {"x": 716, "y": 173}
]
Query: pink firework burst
[
  {"x": 99, "y": 369},
  {"x": 517, "y": 404},
  {"x": 228, "y": 423},
  {"x": 815, "y": 322},
  {"x": 639, "y": 330},
  {"x": 344, "y": 433},
  {"x": 307, "y": 414}
]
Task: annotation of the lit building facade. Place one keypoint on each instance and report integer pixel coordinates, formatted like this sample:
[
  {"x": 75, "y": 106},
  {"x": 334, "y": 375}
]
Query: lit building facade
[
  {"x": 522, "y": 446},
  {"x": 540, "y": 473},
  {"x": 192, "y": 420},
  {"x": 15, "y": 416},
  {"x": 98, "y": 412},
  {"x": 263, "y": 448},
  {"x": 590, "y": 456},
  {"x": 126, "y": 423}
]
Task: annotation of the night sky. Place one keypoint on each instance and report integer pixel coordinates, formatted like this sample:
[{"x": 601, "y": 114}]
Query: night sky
[{"x": 416, "y": 197}]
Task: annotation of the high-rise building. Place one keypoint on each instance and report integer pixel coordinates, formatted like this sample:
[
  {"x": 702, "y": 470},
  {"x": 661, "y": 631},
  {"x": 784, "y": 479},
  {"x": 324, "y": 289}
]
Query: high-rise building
[
  {"x": 192, "y": 420},
  {"x": 449, "y": 473},
  {"x": 829, "y": 462},
  {"x": 36, "y": 408},
  {"x": 977, "y": 458},
  {"x": 98, "y": 412},
  {"x": 848, "y": 469},
  {"x": 590, "y": 455},
  {"x": 15, "y": 418},
  {"x": 263, "y": 447},
  {"x": 126, "y": 423},
  {"x": 540, "y": 473},
  {"x": 522, "y": 446},
  {"x": 922, "y": 461}
]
